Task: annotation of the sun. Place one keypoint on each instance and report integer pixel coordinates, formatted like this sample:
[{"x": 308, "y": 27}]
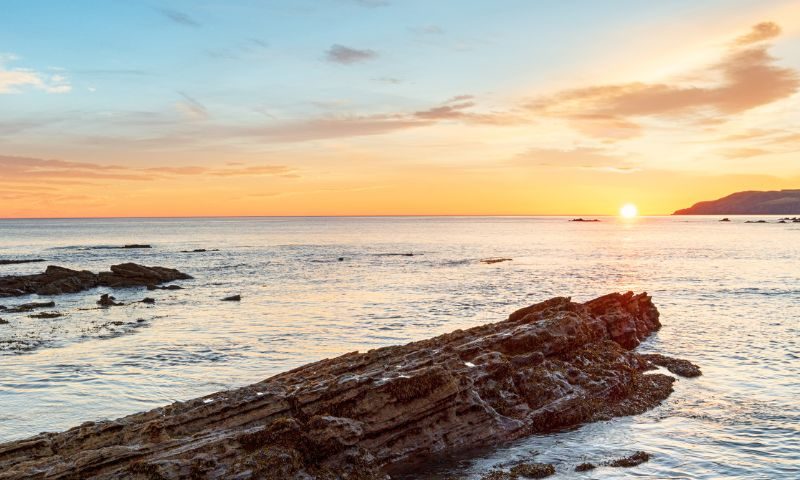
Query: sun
[{"x": 628, "y": 210}]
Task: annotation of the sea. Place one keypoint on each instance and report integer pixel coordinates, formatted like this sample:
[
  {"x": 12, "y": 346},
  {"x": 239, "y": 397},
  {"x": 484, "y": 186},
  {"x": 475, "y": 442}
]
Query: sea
[{"x": 314, "y": 288}]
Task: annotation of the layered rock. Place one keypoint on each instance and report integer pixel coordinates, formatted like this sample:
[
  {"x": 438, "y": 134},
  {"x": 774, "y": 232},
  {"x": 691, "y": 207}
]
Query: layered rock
[
  {"x": 361, "y": 415},
  {"x": 58, "y": 280}
]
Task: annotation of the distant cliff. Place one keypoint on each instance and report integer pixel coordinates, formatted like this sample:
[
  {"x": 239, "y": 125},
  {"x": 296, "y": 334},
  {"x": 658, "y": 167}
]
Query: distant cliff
[{"x": 781, "y": 202}]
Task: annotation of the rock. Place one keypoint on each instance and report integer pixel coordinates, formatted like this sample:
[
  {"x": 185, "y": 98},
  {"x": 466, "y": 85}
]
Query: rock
[
  {"x": 15, "y": 262},
  {"x": 756, "y": 221},
  {"x": 27, "y": 307},
  {"x": 232, "y": 298},
  {"x": 136, "y": 245},
  {"x": 533, "y": 470},
  {"x": 46, "y": 315},
  {"x": 361, "y": 415},
  {"x": 3, "y": 322},
  {"x": 108, "y": 301},
  {"x": 490, "y": 261},
  {"x": 637, "y": 458},
  {"x": 199, "y": 250},
  {"x": 341, "y": 259},
  {"x": 584, "y": 220},
  {"x": 726, "y": 219},
  {"x": 58, "y": 280},
  {"x": 396, "y": 254},
  {"x": 149, "y": 300},
  {"x": 167, "y": 287},
  {"x": 678, "y": 366},
  {"x": 585, "y": 467}
]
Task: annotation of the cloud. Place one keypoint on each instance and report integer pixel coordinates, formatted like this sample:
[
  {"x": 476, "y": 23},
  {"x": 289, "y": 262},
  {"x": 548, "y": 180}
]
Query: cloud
[
  {"x": 747, "y": 77},
  {"x": 388, "y": 80},
  {"x": 347, "y": 56},
  {"x": 427, "y": 30},
  {"x": 458, "y": 108},
  {"x": 586, "y": 158},
  {"x": 760, "y": 32},
  {"x": 191, "y": 108},
  {"x": 14, "y": 80},
  {"x": 372, "y": 3},
  {"x": 25, "y": 169},
  {"x": 744, "y": 152},
  {"x": 178, "y": 17}
]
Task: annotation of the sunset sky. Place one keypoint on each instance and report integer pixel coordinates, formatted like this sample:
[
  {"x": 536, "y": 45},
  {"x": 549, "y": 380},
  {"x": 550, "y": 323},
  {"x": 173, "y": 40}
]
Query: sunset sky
[{"x": 347, "y": 107}]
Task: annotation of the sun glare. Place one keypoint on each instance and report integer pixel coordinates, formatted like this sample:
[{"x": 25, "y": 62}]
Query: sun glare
[{"x": 628, "y": 210}]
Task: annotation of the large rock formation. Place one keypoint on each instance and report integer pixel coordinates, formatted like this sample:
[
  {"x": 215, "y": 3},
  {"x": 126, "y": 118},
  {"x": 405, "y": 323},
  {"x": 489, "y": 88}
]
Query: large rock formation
[
  {"x": 780, "y": 202},
  {"x": 58, "y": 280},
  {"x": 361, "y": 415}
]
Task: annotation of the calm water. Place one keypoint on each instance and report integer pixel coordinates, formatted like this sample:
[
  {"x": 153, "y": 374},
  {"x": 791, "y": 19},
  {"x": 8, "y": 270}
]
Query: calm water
[{"x": 729, "y": 294}]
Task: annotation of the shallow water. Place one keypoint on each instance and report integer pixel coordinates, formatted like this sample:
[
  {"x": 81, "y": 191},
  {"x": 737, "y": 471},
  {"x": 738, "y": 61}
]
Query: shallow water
[{"x": 729, "y": 294}]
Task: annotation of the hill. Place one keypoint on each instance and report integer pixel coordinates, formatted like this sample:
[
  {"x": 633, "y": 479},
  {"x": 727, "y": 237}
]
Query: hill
[{"x": 780, "y": 202}]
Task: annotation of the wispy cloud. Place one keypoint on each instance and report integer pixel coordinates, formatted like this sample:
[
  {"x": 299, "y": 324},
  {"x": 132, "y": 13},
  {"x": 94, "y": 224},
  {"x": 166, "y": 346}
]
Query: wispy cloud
[
  {"x": 347, "y": 55},
  {"x": 747, "y": 77},
  {"x": 15, "y": 80},
  {"x": 581, "y": 157},
  {"x": 31, "y": 170},
  {"x": 191, "y": 108},
  {"x": 178, "y": 17}
]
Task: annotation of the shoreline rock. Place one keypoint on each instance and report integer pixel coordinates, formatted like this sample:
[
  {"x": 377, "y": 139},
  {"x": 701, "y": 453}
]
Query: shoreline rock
[
  {"x": 365, "y": 415},
  {"x": 59, "y": 280}
]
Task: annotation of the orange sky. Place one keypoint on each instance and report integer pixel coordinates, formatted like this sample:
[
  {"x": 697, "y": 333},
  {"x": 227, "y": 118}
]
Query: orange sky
[{"x": 685, "y": 113}]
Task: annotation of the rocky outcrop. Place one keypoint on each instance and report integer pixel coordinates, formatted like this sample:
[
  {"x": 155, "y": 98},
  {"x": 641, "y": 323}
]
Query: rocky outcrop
[
  {"x": 363, "y": 415},
  {"x": 58, "y": 280},
  {"x": 780, "y": 202}
]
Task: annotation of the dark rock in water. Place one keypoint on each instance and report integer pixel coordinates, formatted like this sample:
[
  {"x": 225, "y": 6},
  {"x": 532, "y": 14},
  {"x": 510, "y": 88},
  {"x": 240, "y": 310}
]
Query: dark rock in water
[
  {"x": 166, "y": 287},
  {"x": 756, "y": 221},
  {"x": 136, "y": 245},
  {"x": 533, "y": 470},
  {"x": 199, "y": 250},
  {"x": 3, "y": 322},
  {"x": 15, "y": 262},
  {"x": 108, "y": 301},
  {"x": 584, "y": 220},
  {"x": 585, "y": 467},
  {"x": 637, "y": 458},
  {"x": 27, "y": 307},
  {"x": 364, "y": 415},
  {"x": 149, "y": 301},
  {"x": 490, "y": 261},
  {"x": 341, "y": 259},
  {"x": 59, "y": 280},
  {"x": 678, "y": 366},
  {"x": 726, "y": 219},
  {"x": 47, "y": 315},
  {"x": 396, "y": 254},
  {"x": 232, "y": 298}
]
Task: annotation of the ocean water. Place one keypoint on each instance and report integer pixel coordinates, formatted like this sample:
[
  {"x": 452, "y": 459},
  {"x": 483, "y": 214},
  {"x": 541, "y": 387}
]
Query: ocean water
[{"x": 729, "y": 295}]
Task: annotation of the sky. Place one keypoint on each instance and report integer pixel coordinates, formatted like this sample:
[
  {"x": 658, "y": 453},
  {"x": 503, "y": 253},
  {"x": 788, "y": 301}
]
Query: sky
[{"x": 393, "y": 107}]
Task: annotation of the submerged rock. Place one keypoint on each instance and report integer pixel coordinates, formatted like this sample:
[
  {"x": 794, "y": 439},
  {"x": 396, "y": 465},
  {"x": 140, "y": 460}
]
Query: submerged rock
[
  {"x": 149, "y": 301},
  {"x": 585, "y": 467},
  {"x": 16, "y": 261},
  {"x": 364, "y": 415},
  {"x": 584, "y": 220},
  {"x": 232, "y": 298},
  {"x": 637, "y": 458},
  {"x": 136, "y": 245},
  {"x": 489, "y": 261},
  {"x": 27, "y": 307},
  {"x": 46, "y": 315},
  {"x": 58, "y": 280}
]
